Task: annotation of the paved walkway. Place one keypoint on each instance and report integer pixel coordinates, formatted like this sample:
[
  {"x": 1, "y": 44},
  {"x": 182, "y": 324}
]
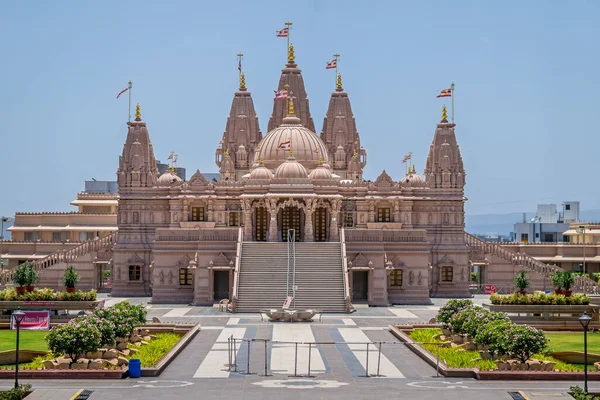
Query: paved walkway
[{"x": 201, "y": 370}]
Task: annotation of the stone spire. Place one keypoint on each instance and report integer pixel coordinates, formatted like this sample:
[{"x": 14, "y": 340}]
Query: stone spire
[
  {"x": 339, "y": 131},
  {"x": 292, "y": 76},
  {"x": 444, "y": 168},
  {"x": 242, "y": 133},
  {"x": 137, "y": 165}
]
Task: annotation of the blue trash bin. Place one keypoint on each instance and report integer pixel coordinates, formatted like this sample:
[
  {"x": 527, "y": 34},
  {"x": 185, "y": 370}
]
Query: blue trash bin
[
  {"x": 135, "y": 368},
  {"x": 547, "y": 292}
]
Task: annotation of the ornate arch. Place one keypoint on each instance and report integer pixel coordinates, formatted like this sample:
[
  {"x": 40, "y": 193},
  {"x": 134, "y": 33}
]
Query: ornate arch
[{"x": 291, "y": 203}]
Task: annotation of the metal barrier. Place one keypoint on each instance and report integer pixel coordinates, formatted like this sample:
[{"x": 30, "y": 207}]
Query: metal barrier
[{"x": 232, "y": 349}]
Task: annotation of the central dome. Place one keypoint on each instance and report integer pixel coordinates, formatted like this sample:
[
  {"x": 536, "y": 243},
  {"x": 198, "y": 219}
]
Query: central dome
[{"x": 306, "y": 146}]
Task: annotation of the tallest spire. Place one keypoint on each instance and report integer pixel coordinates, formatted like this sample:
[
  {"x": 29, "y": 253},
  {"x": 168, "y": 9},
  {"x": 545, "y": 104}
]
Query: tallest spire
[{"x": 291, "y": 75}]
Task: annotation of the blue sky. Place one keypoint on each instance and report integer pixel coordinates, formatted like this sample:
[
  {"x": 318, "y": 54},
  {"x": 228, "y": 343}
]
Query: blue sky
[{"x": 526, "y": 77}]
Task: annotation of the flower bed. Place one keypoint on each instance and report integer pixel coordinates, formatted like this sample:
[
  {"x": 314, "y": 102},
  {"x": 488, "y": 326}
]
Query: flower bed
[
  {"x": 47, "y": 294},
  {"x": 540, "y": 299}
]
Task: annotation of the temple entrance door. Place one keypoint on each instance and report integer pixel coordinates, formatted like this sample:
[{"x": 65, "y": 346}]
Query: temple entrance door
[
  {"x": 290, "y": 219},
  {"x": 262, "y": 222},
  {"x": 360, "y": 285},
  {"x": 320, "y": 224},
  {"x": 221, "y": 285}
]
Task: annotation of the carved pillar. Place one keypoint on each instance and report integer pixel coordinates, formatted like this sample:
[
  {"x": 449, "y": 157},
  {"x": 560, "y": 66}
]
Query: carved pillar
[
  {"x": 272, "y": 208},
  {"x": 309, "y": 235},
  {"x": 397, "y": 210},
  {"x": 210, "y": 213},
  {"x": 371, "y": 211},
  {"x": 186, "y": 211},
  {"x": 334, "y": 234},
  {"x": 247, "y": 208}
]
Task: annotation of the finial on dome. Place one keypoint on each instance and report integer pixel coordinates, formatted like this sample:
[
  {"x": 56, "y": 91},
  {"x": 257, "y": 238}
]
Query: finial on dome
[
  {"x": 227, "y": 152},
  {"x": 413, "y": 169},
  {"x": 291, "y": 56},
  {"x": 291, "y": 106},
  {"x": 260, "y": 159},
  {"x": 242, "y": 81},
  {"x": 444, "y": 115},
  {"x": 355, "y": 152},
  {"x": 138, "y": 113},
  {"x": 320, "y": 162},
  {"x": 291, "y": 152},
  {"x": 339, "y": 81}
]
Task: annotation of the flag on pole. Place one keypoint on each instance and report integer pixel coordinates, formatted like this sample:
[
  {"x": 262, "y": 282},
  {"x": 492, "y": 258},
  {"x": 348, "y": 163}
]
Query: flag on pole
[
  {"x": 407, "y": 157},
  {"x": 122, "y": 91},
  {"x": 285, "y": 145},
  {"x": 445, "y": 93},
  {"x": 281, "y": 94},
  {"x": 332, "y": 64},
  {"x": 284, "y": 32},
  {"x": 170, "y": 157},
  {"x": 240, "y": 65}
]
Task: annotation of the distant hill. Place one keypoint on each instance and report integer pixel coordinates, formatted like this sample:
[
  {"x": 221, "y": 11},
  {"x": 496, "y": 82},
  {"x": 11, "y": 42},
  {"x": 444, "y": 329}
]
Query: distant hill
[{"x": 504, "y": 223}]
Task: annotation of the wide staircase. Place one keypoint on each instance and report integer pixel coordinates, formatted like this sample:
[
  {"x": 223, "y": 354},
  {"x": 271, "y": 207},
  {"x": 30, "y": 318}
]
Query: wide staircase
[
  {"x": 67, "y": 256},
  {"x": 263, "y": 276},
  {"x": 583, "y": 284}
]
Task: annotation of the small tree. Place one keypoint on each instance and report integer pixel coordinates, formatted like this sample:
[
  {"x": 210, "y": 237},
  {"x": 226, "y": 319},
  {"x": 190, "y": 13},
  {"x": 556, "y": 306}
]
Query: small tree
[
  {"x": 19, "y": 276},
  {"x": 557, "y": 281},
  {"x": 32, "y": 275},
  {"x": 125, "y": 316},
  {"x": 568, "y": 279},
  {"x": 71, "y": 277},
  {"x": 522, "y": 281},
  {"x": 107, "y": 329},
  {"x": 474, "y": 276},
  {"x": 491, "y": 335},
  {"x": 522, "y": 341},
  {"x": 75, "y": 338},
  {"x": 450, "y": 308}
]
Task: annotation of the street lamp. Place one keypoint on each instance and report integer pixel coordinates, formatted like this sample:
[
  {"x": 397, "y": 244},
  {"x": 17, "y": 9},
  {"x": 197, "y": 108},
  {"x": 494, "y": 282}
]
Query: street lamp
[
  {"x": 18, "y": 317},
  {"x": 4, "y": 219},
  {"x": 584, "y": 320},
  {"x": 581, "y": 229}
]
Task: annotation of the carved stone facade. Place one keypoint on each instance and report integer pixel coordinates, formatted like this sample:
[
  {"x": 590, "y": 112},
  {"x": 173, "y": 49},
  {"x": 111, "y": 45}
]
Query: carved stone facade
[{"x": 404, "y": 239}]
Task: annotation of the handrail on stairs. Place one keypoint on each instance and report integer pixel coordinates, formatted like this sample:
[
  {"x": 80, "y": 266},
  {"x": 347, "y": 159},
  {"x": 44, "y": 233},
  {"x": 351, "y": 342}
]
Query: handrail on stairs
[
  {"x": 524, "y": 260},
  {"x": 236, "y": 270},
  {"x": 345, "y": 271},
  {"x": 61, "y": 256}
]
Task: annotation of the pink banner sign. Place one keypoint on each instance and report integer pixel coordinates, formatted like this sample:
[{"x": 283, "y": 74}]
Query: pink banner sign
[
  {"x": 287, "y": 303},
  {"x": 34, "y": 320}
]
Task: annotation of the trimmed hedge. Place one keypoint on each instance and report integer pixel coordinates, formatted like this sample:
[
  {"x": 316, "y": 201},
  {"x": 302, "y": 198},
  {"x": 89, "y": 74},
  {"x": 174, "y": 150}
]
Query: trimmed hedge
[
  {"x": 541, "y": 299},
  {"x": 47, "y": 294}
]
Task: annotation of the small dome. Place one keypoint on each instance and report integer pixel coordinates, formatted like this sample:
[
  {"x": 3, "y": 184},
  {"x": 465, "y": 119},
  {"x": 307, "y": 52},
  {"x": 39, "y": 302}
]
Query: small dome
[
  {"x": 320, "y": 173},
  {"x": 413, "y": 177},
  {"x": 291, "y": 169},
  {"x": 168, "y": 178},
  {"x": 261, "y": 172}
]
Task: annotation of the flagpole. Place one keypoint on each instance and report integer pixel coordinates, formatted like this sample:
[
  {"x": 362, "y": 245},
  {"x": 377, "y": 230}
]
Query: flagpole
[
  {"x": 129, "y": 119},
  {"x": 240, "y": 55},
  {"x": 289, "y": 26},
  {"x": 452, "y": 92},
  {"x": 336, "y": 55}
]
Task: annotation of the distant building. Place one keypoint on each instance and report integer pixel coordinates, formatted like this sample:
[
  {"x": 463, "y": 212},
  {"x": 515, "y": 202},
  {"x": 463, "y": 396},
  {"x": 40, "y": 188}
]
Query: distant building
[
  {"x": 548, "y": 224},
  {"x": 95, "y": 186},
  {"x": 162, "y": 168}
]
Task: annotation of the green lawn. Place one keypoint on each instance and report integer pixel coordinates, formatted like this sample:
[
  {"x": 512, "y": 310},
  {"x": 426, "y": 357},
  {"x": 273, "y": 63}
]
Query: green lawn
[
  {"x": 573, "y": 341},
  {"x": 29, "y": 340}
]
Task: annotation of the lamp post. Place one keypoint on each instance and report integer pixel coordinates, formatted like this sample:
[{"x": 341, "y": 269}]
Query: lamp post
[
  {"x": 4, "y": 219},
  {"x": 581, "y": 229},
  {"x": 584, "y": 320},
  {"x": 18, "y": 317}
]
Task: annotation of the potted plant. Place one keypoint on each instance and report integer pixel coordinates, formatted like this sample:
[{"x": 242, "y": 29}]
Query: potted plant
[
  {"x": 557, "y": 281},
  {"x": 20, "y": 279},
  {"x": 567, "y": 280},
  {"x": 522, "y": 282},
  {"x": 32, "y": 277},
  {"x": 70, "y": 279}
]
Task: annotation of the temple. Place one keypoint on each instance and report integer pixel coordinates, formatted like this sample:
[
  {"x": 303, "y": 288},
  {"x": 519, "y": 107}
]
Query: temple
[{"x": 291, "y": 196}]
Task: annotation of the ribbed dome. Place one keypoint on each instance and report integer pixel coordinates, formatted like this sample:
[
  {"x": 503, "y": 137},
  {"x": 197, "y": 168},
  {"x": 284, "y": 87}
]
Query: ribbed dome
[
  {"x": 320, "y": 173},
  {"x": 291, "y": 169},
  {"x": 168, "y": 178},
  {"x": 413, "y": 177},
  {"x": 306, "y": 146},
  {"x": 261, "y": 172}
]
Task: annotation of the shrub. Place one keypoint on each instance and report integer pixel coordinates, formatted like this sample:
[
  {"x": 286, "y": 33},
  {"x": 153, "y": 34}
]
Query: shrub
[
  {"x": 151, "y": 353},
  {"x": 47, "y": 294},
  {"x": 491, "y": 335},
  {"x": 522, "y": 281},
  {"x": 480, "y": 317},
  {"x": 474, "y": 276},
  {"x": 539, "y": 298},
  {"x": 568, "y": 279},
  {"x": 450, "y": 308},
  {"x": 557, "y": 280},
  {"x": 125, "y": 316},
  {"x": 70, "y": 278},
  {"x": 107, "y": 329},
  {"x": 580, "y": 394},
  {"x": 78, "y": 336},
  {"x": 15, "y": 393},
  {"x": 522, "y": 341},
  {"x": 19, "y": 276},
  {"x": 462, "y": 317}
]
